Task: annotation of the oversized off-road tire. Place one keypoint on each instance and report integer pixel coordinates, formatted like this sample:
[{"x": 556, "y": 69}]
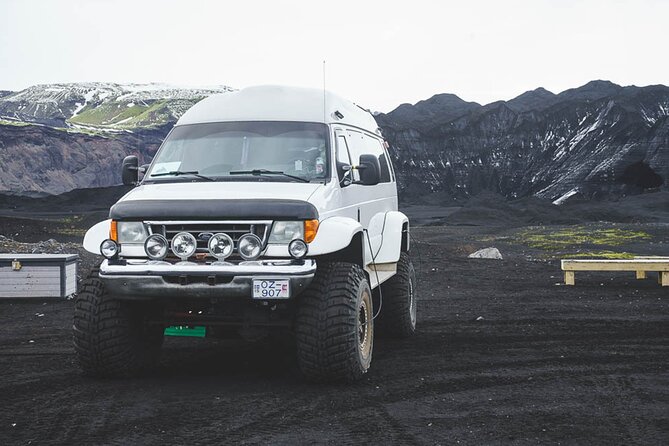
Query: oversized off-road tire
[
  {"x": 111, "y": 338},
  {"x": 398, "y": 308},
  {"x": 334, "y": 327}
]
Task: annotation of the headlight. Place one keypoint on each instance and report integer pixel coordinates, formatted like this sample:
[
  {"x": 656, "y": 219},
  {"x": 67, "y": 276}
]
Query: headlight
[
  {"x": 184, "y": 245},
  {"x": 298, "y": 249},
  {"x": 221, "y": 246},
  {"x": 109, "y": 249},
  {"x": 284, "y": 232},
  {"x": 249, "y": 246},
  {"x": 131, "y": 232},
  {"x": 156, "y": 247}
]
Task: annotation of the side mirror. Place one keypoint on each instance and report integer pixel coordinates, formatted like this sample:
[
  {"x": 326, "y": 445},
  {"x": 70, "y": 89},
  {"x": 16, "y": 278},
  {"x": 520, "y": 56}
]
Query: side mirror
[
  {"x": 370, "y": 170},
  {"x": 130, "y": 170}
]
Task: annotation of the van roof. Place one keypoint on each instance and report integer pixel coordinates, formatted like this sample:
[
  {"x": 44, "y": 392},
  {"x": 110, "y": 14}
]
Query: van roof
[{"x": 279, "y": 103}]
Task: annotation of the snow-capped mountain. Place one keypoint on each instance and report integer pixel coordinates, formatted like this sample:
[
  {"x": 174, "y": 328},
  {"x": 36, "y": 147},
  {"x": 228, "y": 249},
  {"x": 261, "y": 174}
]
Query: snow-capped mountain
[
  {"x": 102, "y": 106},
  {"x": 599, "y": 139}
]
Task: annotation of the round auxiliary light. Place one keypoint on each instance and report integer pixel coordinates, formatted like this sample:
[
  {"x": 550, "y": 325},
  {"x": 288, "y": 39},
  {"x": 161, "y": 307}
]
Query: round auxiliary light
[
  {"x": 220, "y": 246},
  {"x": 184, "y": 245},
  {"x": 109, "y": 248},
  {"x": 156, "y": 247},
  {"x": 298, "y": 248},
  {"x": 249, "y": 246}
]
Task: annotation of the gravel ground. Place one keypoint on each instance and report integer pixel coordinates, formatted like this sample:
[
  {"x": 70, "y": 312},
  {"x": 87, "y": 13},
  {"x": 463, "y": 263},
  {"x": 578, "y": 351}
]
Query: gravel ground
[{"x": 504, "y": 354}]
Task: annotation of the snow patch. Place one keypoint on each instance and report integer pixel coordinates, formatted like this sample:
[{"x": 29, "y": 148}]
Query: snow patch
[
  {"x": 565, "y": 197},
  {"x": 79, "y": 106}
]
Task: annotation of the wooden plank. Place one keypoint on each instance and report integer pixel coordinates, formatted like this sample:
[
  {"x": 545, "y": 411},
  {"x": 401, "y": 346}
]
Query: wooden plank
[
  {"x": 15, "y": 286},
  {"x": 24, "y": 294},
  {"x": 663, "y": 278},
  {"x": 70, "y": 286},
  {"x": 28, "y": 276},
  {"x": 28, "y": 288},
  {"x": 615, "y": 265},
  {"x": 569, "y": 278},
  {"x": 70, "y": 279},
  {"x": 49, "y": 272},
  {"x": 28, "y": 267},
  {"x": 30, "y": 281},
  {"x": 40, "y": 257},
  {"x": 641, "y": 275}
]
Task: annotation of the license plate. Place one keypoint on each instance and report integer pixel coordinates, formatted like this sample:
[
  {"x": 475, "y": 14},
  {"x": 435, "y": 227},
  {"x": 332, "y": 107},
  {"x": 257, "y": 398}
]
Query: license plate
[{"x": 271, "y": 289}]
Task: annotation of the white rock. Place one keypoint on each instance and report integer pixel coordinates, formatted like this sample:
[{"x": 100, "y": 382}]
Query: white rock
[{"x": 486, "y": 253}]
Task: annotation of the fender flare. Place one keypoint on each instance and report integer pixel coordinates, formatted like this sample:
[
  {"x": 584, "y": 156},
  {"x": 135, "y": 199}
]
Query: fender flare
[
  {"x": 393, "y": 237},
  {"x": 334, "y": 234},
  {"x": 96, "y": 235}
]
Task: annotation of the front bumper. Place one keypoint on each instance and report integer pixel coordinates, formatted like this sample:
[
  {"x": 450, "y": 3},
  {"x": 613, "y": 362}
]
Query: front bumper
[{"x": 143, "y": 280}]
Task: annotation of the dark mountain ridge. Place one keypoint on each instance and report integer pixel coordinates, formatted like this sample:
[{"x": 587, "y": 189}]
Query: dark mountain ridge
[{"x": 598, "y": 140}]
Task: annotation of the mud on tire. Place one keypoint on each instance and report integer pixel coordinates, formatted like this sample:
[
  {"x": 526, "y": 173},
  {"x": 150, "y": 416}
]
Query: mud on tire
[
  {"x": 398, "y": 310},
  {"x": 334, "y": 324},
  {"x": 111, "y": 338}
]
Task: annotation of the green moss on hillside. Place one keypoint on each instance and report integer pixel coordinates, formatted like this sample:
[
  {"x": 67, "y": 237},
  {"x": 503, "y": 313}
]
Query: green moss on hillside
[
  {"x": 122, "y": 115},
  {"x": 14, "y": 123}
]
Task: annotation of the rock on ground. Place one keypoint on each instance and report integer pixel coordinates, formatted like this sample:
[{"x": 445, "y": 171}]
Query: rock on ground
[{"x": 486, "y": 253}]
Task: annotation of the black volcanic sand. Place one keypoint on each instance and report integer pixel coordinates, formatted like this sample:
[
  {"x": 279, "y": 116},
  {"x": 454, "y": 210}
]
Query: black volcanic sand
[{"x": 504, "y": 353}]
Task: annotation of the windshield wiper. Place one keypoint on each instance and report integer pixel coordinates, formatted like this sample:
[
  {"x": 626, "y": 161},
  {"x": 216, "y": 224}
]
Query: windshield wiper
[
  {"x": 268, "y": 172},
  {"x": 176, "y": 173}
]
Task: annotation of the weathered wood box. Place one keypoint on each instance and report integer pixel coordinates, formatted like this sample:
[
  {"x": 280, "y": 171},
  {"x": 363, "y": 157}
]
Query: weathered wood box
[{"x": 38, "y": 275}]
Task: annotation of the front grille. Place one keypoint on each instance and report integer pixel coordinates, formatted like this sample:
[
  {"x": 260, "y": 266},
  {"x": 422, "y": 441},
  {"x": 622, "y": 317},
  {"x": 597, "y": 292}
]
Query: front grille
[{"x": 234, "y": 229}]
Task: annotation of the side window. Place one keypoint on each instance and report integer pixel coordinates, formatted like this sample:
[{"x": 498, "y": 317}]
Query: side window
[
  {"x": 361, "y": 144},
  {"x": 390, "y": 164},
  {"x": 342, "y": 150},
  {"x": 343, "y": 156},
  {"x": 356, "y": 148},
  {"x": 385, "y": 170}
]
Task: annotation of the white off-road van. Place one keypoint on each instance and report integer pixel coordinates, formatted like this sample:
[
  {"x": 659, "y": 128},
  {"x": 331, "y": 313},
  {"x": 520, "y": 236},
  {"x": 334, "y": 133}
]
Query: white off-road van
[{"x": 267, "y": 208}]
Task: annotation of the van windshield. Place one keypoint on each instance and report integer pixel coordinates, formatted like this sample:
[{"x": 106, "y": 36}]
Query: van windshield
[{"x": 214, "y": 150}]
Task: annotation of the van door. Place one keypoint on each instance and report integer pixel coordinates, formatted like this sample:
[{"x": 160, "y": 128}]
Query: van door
[
  {"x": 349, "y": 208},
  {"x": 367, "y": 204}
]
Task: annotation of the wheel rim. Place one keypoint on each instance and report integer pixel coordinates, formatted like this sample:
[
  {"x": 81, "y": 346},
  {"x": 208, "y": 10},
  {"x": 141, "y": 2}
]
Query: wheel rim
[
  {"x": 365, "y": 326},
  {"x": 412, "y": 304}
]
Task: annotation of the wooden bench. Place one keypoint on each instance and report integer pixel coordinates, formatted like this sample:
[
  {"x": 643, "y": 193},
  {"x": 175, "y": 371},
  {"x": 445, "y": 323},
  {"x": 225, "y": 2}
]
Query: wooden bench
[{"x": 640, "y": 265}]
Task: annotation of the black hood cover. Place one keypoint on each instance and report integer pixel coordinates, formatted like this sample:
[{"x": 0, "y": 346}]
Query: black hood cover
[{"x": 213, "y": 210}]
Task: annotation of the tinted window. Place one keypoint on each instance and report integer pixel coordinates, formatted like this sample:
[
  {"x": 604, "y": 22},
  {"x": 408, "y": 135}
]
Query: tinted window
[
  {"x": 361, "y": 144},
  {"x": 216, "y": 149},
  {"x": 342, "y": 150}
]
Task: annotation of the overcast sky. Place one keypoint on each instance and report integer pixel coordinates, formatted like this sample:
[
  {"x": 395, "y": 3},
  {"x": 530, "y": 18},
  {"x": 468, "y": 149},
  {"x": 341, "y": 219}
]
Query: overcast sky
[{"x": 379, "y": 53}]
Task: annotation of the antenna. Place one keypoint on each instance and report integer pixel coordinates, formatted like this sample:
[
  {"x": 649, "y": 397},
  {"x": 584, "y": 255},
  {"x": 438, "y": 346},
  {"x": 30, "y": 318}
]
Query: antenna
[{"x": 324, "y": 108}]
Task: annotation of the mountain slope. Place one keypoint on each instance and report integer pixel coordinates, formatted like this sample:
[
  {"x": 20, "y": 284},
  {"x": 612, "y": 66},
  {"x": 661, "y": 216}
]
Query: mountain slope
[
  {"x": 600, "y": 139},
  {"x": 36, "y": 158},
  {"x": 441, "y": 107},
  {"x": 102, "y": 106}
]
